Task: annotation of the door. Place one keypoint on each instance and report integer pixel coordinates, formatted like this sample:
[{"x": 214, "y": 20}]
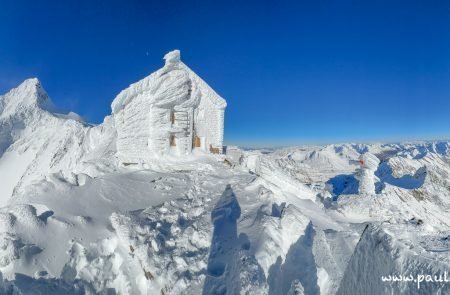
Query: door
[{"x": 197, "y": 142}]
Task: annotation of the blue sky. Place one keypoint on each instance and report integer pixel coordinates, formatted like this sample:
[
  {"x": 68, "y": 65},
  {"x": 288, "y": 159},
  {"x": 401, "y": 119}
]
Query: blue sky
[{"x": 293, "y": 72}]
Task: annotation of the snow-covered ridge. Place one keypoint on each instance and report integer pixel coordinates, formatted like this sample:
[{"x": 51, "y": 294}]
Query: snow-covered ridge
[
  {"x": 35, "y": 141},
  {"x": 77, "y": 219},
  {"x": 380, "y": 253},
  {"x": 26, "y": 96}
]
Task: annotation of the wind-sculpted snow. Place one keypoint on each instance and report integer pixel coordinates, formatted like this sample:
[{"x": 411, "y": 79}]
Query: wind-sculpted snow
[
  {"x": 74, "y": 219},
  {"x": 383, "y": 252}
]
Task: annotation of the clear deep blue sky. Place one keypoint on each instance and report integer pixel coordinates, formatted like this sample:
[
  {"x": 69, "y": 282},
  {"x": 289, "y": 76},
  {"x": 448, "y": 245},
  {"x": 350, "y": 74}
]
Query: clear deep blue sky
[{"x": 292, "y": 71}]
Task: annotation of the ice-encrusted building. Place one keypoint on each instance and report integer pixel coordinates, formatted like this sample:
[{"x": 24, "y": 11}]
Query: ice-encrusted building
[{"x": 172, "y": 111}]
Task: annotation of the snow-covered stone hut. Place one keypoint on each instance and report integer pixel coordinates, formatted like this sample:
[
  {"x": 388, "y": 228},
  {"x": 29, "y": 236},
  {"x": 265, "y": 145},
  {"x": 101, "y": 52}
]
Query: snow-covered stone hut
[{"x": 172, "y": 111}]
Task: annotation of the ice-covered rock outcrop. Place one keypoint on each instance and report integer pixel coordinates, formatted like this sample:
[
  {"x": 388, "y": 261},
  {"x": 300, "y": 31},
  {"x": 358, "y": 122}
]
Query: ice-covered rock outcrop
[
  {"x": 381, "y": 256},
  {"x": 366, "y": 174},
  {"x": 171, "y": 111}
]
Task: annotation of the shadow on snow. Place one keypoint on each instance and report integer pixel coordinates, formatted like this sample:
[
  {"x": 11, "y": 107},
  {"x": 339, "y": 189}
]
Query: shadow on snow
[
  {"x": 223, "y": 268},
  {"x": 344, "y": 184},
  {"x": 299, "y": 266},
  {"x": 384, "y": 172},
  {"x": 23, "y": 284}
]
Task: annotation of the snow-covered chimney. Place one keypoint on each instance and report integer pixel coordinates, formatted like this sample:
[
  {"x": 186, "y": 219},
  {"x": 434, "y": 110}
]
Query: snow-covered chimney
[{"x": 172, "y": 57}]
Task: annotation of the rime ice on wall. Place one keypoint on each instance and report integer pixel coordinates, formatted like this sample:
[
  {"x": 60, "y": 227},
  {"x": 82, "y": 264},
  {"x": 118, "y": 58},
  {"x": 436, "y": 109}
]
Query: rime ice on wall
[
  {"x": 366, "y": 176},
  {"x": 171, "y": 111}
]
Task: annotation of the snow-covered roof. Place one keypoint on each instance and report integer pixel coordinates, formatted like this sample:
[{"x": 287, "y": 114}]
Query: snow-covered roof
[
  {"x": 215, "y": 98},
  {"x": 172, "y": 57},
  {"x": 172, "y": 68}
]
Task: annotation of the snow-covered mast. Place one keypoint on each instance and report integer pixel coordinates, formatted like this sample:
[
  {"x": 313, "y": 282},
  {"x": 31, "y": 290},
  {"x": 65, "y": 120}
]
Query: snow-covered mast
[{"x": 366, "y": 174}]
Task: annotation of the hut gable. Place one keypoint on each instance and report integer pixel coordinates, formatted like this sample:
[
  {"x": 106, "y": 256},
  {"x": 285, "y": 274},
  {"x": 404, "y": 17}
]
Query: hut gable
[{"x": 172, "y": 111}]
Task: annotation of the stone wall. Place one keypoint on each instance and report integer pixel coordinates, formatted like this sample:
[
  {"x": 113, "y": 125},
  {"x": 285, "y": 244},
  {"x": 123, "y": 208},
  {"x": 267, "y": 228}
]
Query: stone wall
[
  {"x": 132, "y": 131},
  {"x": 209, "y": 123}
]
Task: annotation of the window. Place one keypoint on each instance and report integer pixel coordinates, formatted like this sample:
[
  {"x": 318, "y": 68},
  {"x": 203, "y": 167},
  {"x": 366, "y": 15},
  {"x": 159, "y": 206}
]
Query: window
[
  {"x": 172, "y": 116},
  {"x": 173, "y": 141}
]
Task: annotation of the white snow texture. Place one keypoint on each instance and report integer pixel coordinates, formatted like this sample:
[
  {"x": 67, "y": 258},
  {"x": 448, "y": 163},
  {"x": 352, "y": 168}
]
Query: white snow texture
[{"x": 147, "y": 202}]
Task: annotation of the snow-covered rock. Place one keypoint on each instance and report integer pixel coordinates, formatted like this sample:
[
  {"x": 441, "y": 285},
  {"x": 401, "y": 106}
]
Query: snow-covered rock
[{"x": 383, "y": 264}]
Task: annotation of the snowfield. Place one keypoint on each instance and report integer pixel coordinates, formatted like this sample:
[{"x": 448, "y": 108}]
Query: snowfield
[{"x": 327, "y": 219}]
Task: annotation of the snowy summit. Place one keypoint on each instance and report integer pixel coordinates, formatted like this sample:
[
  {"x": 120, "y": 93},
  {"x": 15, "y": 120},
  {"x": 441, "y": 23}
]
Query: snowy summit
[{"x": 150, "y": 202}]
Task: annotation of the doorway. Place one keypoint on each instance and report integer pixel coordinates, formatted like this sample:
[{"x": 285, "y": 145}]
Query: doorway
[{"x": 197, "y": 142}]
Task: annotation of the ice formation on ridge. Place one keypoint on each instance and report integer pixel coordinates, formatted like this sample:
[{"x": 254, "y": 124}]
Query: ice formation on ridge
[{"x": 369, "y": 164}]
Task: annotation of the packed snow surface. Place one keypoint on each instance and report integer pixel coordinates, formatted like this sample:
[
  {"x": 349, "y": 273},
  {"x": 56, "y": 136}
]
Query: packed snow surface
[{"x": 303, "y": 220}]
